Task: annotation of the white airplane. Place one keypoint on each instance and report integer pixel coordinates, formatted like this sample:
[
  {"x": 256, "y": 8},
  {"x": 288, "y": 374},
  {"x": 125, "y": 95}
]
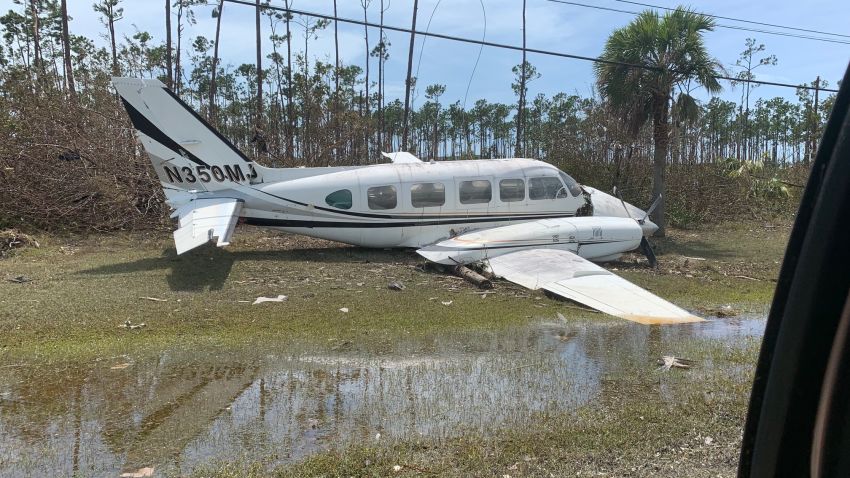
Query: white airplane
[{"x": 529, "y": 222}]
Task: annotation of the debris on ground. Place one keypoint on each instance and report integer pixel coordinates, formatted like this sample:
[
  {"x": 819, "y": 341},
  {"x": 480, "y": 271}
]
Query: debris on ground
[
  {"x": 344, "y": 310},
  {"x": 395, "y": 285},
  {"x": 120, "y": 366},
  {"x": 155, "y": 299},
  {"x": 447, "y": 302},
  {"x": 668, "y": 361},
  {"x": 145, "y": 472},
  {"x": 721, "y": 312},
  {"x": 10, "y": 239},
  {"x": 279, "y": 298},
  {"x": 131, "y": 326},
  {"x": 474, "y": 277},
  {"x": 19, "y": 279}
]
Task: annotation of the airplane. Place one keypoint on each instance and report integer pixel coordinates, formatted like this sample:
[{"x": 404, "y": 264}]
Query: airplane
[{"x": 523, "y": 219}]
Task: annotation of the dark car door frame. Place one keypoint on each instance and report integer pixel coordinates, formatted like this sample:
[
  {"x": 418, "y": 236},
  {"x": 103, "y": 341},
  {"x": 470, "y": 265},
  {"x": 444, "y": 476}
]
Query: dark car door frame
[{"x": 801, "y": 328}]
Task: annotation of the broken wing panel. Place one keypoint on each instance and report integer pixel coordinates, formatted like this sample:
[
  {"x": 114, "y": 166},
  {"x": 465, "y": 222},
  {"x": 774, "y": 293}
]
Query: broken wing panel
[
  {"x": 202, "y": 220},
  {"x": 568, "y": 275},
  {"x": 401, "y": 157}
]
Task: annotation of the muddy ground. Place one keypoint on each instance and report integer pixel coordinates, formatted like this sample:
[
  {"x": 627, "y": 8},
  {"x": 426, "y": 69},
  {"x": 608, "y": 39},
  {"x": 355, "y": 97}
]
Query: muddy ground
[{"x": 116, "y": 355}]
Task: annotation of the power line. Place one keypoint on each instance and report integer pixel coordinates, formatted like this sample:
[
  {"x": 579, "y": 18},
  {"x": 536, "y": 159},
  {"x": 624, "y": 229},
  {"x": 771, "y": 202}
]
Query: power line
[
  {"x": 509, "y": 47},
  {"x": 740, "y": 20},
  {"x": 731, "y": 27}
]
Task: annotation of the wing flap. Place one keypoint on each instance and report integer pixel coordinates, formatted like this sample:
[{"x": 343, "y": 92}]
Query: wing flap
[
  {"x": 568, "y": 275},
  {"x": 202, "y": 220}
]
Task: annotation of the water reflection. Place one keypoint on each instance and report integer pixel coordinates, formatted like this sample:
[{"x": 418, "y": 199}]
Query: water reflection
[{"x": 184, "y": 408}]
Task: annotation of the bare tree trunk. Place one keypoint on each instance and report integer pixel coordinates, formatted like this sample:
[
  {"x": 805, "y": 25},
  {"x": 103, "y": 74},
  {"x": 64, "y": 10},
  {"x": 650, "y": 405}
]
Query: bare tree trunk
[
  {"x": 407, "y": 81},
  {"x": 290, "y": 119},
  {"x": 38, "y": 62},
  {"x": 381, "y": 81},
  {"x": 66, "y": 49},
  {"x": 111, "y": 19},
  {"x": 660, "y": 130},
  {"x": 215, "y": 61},
  {"x": 365, "y": 4},
  {"x": 178, "y": 76},
  {"x": 520, "y": 119},
  {"x": 259, "y": 67},
  {"x": 336, "y": 87},
  {"x": 168, "y": 63}
]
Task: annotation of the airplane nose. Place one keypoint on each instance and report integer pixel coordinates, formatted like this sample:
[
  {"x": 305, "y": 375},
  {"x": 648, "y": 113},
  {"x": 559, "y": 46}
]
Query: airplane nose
[{"x": 648, "y": 227}]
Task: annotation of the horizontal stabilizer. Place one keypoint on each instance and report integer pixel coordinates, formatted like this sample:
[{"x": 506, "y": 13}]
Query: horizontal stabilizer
[
  {"x": 568, "y": 275},
  {"x": 202, "y": 220},
  {"x": 401, "y": 157}
]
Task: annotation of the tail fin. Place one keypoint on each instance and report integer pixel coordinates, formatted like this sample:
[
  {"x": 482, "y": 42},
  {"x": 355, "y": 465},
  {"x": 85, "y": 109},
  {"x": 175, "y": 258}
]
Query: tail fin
[{"x": 187, "y": 153}]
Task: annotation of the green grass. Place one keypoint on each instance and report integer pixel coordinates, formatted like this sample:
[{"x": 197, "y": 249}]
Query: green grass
[{"x": 82, "y": 289}]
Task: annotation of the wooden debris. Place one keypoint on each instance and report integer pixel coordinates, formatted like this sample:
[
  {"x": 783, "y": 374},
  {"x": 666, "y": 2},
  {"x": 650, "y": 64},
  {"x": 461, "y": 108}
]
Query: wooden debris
[
  {"x": 279, "y": 298},
  {"x": 474, "y": 277},
  {"x": 155, "y": 299},
  {"x": 395, "y": 285},
  {"x": 668, "y": 361},
  {"x": 145, "y": 472},
  {"x": 19, "y": 279}
]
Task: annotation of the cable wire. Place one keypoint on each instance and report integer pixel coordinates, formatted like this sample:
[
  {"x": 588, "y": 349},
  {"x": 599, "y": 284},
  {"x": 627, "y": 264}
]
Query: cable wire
[
  {"x": 514, "y": 47},
  {"x": 731, "y": 27},
  {"x": 741, "y": 20}
]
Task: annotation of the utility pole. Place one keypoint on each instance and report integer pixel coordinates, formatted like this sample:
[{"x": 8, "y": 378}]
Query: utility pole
[{"x": 408, "y": 80}]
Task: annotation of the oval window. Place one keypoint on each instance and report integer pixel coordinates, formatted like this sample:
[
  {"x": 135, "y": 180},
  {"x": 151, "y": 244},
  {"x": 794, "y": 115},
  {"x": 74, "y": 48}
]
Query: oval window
[{"x": 339, "y": 199}]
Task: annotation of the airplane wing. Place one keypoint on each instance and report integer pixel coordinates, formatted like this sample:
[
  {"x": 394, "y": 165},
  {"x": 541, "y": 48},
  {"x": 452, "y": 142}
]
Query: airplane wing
[
  {"x": 201, "y": 220},
  {"x": 568, "y": 275},
  {"x": 400, "y": 157}
]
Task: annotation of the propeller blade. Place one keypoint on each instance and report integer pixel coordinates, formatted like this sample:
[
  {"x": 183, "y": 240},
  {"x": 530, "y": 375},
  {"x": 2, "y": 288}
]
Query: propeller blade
[
  {"x": 617, "y": 195},
  {"x": 652, "y": 207},
  {"x": 647, "y": 251}
]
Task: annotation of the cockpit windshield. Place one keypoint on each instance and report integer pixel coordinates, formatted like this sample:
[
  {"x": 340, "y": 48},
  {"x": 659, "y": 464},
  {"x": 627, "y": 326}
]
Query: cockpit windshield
[{"x": 572, "y": 184}]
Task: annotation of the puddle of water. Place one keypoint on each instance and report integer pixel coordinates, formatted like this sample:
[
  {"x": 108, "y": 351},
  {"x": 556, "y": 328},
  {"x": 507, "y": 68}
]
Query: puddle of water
[{"x": 185, "y": 408}]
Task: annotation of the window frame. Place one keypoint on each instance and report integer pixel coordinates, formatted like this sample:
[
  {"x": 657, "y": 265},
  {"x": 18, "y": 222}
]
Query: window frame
[
  {"x": 557, "y": 196},
  {"x": 459, "y": 183},
  {"x": 413, "y": 186},
  {"x": 369, "y": 203},
  {"x": 522, "y": 188}
]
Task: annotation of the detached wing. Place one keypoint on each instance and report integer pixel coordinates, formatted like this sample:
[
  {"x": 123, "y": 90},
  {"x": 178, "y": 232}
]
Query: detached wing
[
  {"x": 568, "y": 275},
  {"x": 202, "y": 220}
]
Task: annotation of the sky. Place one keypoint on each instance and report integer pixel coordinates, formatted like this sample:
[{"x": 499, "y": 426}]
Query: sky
[{"x": 550, "y": 26}]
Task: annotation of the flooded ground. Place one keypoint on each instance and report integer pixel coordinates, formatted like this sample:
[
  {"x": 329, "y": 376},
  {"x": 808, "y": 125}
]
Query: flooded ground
[{"x": 180, "y": 408}]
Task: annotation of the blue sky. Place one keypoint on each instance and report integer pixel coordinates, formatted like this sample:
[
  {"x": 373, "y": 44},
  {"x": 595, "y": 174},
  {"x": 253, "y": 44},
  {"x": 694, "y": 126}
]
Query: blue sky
[{"x": 551, "y": 26}]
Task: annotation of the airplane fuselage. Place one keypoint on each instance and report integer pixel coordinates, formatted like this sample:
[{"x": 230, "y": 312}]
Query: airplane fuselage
[{"x": 413, "y": 204}]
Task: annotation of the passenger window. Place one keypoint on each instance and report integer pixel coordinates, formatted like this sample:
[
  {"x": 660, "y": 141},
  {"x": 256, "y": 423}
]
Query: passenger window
[
  {"x": 545, "y": 188},
  {"x": 427, "y": 194},
  {"x": 339, "y": 199},
  {"x": 382, "y": 197},
  {"x": 572, "y": 184},
  {"x": 511, "y": 190},
  {"x": 478, "y": 191}
]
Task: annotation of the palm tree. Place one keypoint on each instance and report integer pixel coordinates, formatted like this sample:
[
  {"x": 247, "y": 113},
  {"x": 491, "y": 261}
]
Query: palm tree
[{"x": 671, "y": 54}]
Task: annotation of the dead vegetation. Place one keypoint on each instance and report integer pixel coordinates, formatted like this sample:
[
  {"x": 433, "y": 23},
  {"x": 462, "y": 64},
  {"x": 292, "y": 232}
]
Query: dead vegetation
[{"x": 11, "y": 239}]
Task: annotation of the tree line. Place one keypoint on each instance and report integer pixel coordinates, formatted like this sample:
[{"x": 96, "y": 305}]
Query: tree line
[{"x": 66, "y": 128}]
